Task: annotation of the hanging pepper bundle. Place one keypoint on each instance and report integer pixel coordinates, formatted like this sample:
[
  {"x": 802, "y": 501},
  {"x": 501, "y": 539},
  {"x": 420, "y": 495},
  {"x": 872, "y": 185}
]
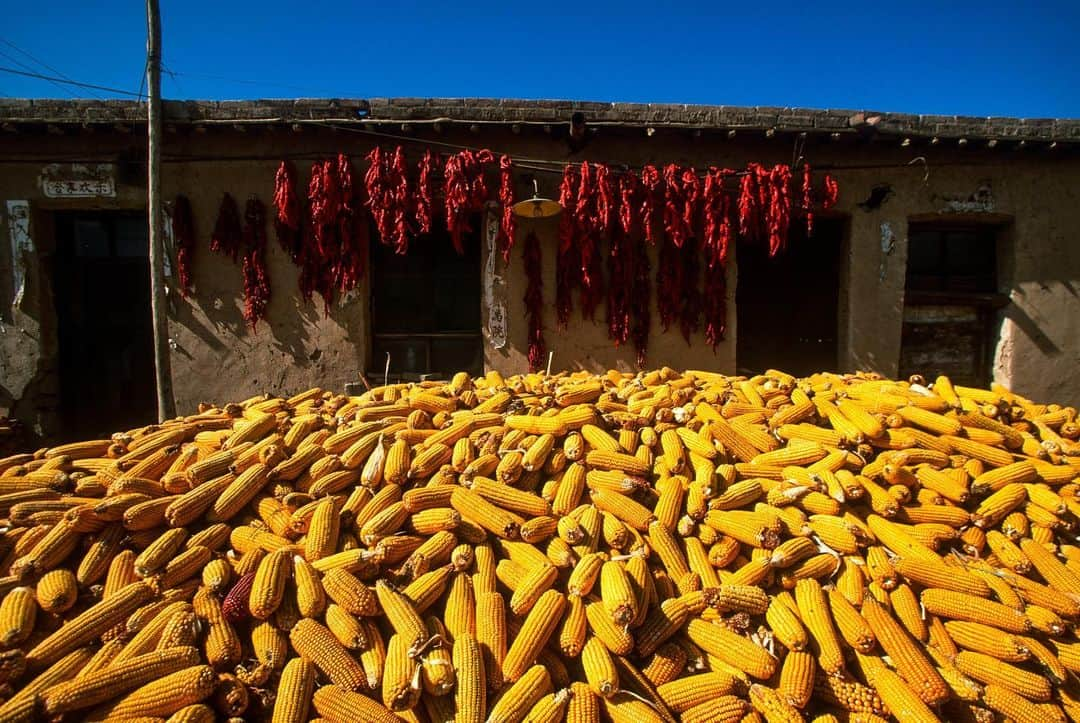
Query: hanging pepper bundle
[
  {"x": 352, "y": 228},
  {"x": 778, "y": 216},
  {"x": 183, "y": 231},
  {"x": 690, "y": 309},
  {"x": 567, "y": 261},
  {"x": 288, "y": 210},
  {"x": 808, "y": 198},
  {"x": 594, "y": 215},
  {"x": 620, "y": 263},
  {"x": 387, "y": 187},
  {"x": 321, "y": 245},
  {"x": 832, "y": 192},
  {"x": 466, "y": 191},
  {"x": 534, "y": 301},
  {"x": 652, "y": 198},
  {"x": 508, "y": 225},
  {"x": 719, "y": 228},
  {"x": 640, "y": 314},
  {"x": 256, "y": 277},
  {"x": 226, "y": 236},
  {"x": 674, "y": 295},
  {"x": 425, "y": 194}
]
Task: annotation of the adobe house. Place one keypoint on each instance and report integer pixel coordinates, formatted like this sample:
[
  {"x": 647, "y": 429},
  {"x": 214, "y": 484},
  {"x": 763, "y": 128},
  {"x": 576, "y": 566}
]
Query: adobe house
[{"x": 953, "y": 249}]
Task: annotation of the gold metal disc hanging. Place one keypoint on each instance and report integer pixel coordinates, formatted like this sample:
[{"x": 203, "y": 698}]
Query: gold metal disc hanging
[{"x": 537, "y": 207}]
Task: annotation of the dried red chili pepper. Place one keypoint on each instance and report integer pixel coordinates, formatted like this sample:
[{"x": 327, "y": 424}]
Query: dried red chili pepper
[
  {"x": 466, "y": 191},
  {"x": 668, "y": 283},
  {"x": 352, "y": 229},
  {"x": 748, "y": 203},
  {"x": 589, "y": 229},
  {"x": 652, "y": 198},
  {"x": 677, "y": 295},
  {"x": 288, "y": 210},
  {"x": 568, "y": 260},
  {"x": 620, "y": 262},
  {"x": 183, "y": 231},
  {"x": 640, "y": 313},
  {"x": 534, "y": 301},
  {"x": 779, "y": 208},
  {"x": 398, "y": 179},
  {"x": 425, "y": 195},
  {"x": 680, "y": 198},
  {"x": 226, "y": 236},
  {"x": 322, "y": 247},
  {"x": 808, "y": 198},
  {"x": 508, "y": 226},
  {"x": 832, "y": 192},
  {"x": 256, "y": 277},
  {"x": 690, "y": 308},
  {"x": 718, "y": 235}
]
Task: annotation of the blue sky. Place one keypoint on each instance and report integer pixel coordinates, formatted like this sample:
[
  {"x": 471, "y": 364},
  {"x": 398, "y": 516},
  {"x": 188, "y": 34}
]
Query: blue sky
[{"x": 984, "y": 58}]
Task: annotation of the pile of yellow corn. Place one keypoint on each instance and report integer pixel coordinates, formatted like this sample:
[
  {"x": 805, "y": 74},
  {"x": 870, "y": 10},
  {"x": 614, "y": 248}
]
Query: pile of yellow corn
[{"x": 653, "y": 547}]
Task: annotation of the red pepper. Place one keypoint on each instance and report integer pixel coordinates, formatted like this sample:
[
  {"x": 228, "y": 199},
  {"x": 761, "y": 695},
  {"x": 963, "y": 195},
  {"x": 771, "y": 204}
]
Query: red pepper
[
  {"x": 690, "y": 308},
  {"x": 256, "y": 277},
  {"x": 425, "y": 196},
  {"x": 808, "y": 198},
  {"x": 400, "y": 200},
  {"x": 534, "y": 301},
  {"x": 719, "y": 232},
  {"x": 466, "y": 191},
  {"x": 352, "y": 229},
  {"x": 288, "y": 210},
  {"x": 226, "y": 236},
  {"x": 748, "y": 203},
  {"x": 651, "y": 199},
  {"x": 183, "y": 230},
  {"x": 567, "y": 261},
  {"x": 589, "y": 228},
  {"x": 508, "y": 226},
  {"x": 832, "y": 192},
  {"x": 620, "y": 262},
  {"x": 640, "y": 313},
  {"x": 779, "y": 208}
]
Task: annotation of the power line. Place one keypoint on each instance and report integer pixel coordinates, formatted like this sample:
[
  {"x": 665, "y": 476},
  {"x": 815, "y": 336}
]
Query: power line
[
  {"x": 67, "y": 91},
  {"x": 54, "y": 79},
  {"x": 42, "y": 63}
]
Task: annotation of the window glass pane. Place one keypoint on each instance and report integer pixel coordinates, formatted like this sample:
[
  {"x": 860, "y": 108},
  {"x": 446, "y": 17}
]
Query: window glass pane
[{"x": 91, "y": 239}]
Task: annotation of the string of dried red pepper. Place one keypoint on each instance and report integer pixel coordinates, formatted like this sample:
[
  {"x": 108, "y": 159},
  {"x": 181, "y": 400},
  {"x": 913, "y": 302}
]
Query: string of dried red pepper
[
  {"x": 288, "y": 210},
  {"x": 183, "y": 232},
  {"x": 652, "y": 198},
  {"x": 466, "y": 191},
  {"x": 534, "y": 301},
  {"x": 508, "y": 225},
  {"x": 640, "y": 313},
  {"x": 425, "y": 195},
  {"x": 590, "y": 225},
  {"x": 719, "y": 227},
  {"x": 567, "y": 260},
  {"x": 778, "y": 216},
  {"x": 352, "y": 229},
  {"x": 226, "y": 236},
  {"x": 620, "y": 263},
  {"x": 808, "y": 198},
  {"x": 832, "y": 192},
  {"x": 256, "y": 277}
]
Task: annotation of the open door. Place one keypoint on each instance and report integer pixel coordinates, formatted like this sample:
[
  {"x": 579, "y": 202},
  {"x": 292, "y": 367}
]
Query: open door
[
  {"x": 101, "y": 284},
  {"x": 788, "y": 306}
]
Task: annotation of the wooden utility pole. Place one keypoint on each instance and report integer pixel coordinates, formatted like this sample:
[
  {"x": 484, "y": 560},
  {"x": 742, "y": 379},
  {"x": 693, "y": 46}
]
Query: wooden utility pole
[{"x": 166, "y": 405}]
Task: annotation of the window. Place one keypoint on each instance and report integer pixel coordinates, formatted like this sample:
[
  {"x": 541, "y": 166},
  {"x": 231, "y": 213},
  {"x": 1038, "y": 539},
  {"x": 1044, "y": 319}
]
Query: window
[
  {"x": 425, "y": 307},
  {"x": 959, "y": 259}
]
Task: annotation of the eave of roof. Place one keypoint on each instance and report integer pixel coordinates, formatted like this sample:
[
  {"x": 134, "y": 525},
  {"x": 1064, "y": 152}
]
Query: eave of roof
[{"x": 18, "y": 113}]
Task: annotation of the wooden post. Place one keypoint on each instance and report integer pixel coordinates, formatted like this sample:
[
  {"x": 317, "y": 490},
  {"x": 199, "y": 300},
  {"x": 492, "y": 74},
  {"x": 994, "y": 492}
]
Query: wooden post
[{"x": 165, "y": 403}]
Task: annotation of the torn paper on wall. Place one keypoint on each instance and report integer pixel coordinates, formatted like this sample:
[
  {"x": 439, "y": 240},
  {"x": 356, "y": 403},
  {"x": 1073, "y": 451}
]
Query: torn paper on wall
[
  {"x": 493, "y": 283},
  {"x": 22, "y": 245}
]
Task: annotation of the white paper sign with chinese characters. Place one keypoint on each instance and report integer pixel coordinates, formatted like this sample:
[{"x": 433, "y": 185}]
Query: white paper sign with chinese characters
[{"x": 79, "y": 180}]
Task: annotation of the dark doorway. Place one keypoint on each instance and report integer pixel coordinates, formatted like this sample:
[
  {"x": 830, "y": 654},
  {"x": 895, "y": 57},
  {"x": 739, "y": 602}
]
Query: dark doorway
[
  {"x": 951, "y": 302},
  {"x": 788, "y": 306},
  {"x": 101, "y": 283},
  {"x": 425, "y": 307}
]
